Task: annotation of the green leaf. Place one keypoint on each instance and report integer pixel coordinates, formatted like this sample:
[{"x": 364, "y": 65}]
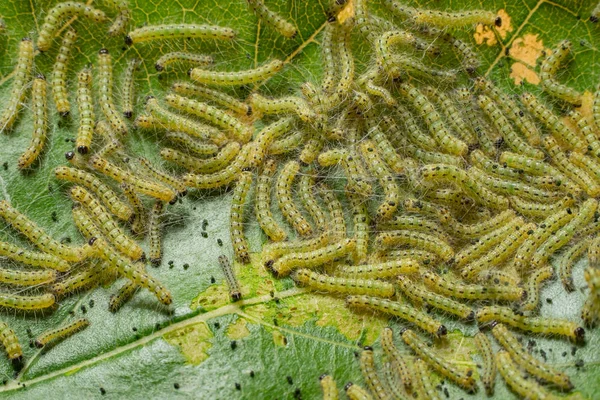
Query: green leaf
[{"x": 145, "y": 351}]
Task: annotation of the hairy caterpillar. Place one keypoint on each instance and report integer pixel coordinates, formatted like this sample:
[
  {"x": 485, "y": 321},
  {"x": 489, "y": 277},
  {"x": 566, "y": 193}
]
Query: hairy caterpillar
[
  {"x": 311, "y": 149},
  {"x": 237, "y": 78},
  {"x": 105, "y": 92},
  {"x": 182, "y": 56},
  {"x": 550, "y": 326},
  {"x": 423, "y": 385},
  {"x": 120, "y": 175},
  {"x": 10, "y": 342},
  {"x": 106, "y": 223},
  {"x": 85, "y": 132},
  {"x": 272, "y": 251},
  {"x": 360, "y": 219},
  {"x": 149, "y": 170},
  {"x": 203, "y": 165},
  {"x": 32, "y": 258},
  {"x": 329, "y": 388},
  {"x": 312, "y": 258},
  {"x": 236, "y": 219},
  {"x": 514, "y": 378},
  {"x": 124, "y": 268},
  {"x": 58, "y": 13},
  {"x": 154, "y": 232},
  {"x": 587, "y": 129},
  {"x": 511, "y": 187},
  {"x": 416, "y": 239},
  {"x": 165, "y": 119},
  {"x": 39, "y": 108},
  {"x": 215, "y": 116},
  {"x": 128, "y": 87},
  {"x": 396, "y": 358},
  {"x": 306, "y": 184},
  {"x": 344, "y": 64},
  {"x": 265, "y": 137},
  {"x": 525, "y": 360},
  {"x": 54, "y": 336},
  {"x": 58, "y": 81},
  {"x": 417, "y": 293},
  {"x": 534, "y": 284},
  {"x": 178, "y": 31},
  {"x": 414, "y": 223},
  {"x": 223, "y": 177},
  {"x": 400, "y": 310},
  {"x": 26, "y": 278},
  {"x": 138, "y": 218},
  {"x": 381, "y": 270},
  {"x": 275, "y": 20},
  {"x": 27, "y": 303},
  {"x": 567, "y": 261},
  {"x": 115, "y": 205},
  {"x": 540, "y": 210},
  {"x": 489, "y": 362},
  {"x": 262, "y": 205},
  {"x": 216, "y": 96},
  {"x": 453, "y": 115},
  {"x": 462, "y": 377},
  {"x": 192, "y": 145},
  {"x": 22, "y": 74},
  {"x": 320, "y": 282},
  {"x": 454, "y": 289},
  {"x": 369, "y": 372},
  {"x": 120, "y": 22},
  {"x": 283, "y": 105},
  {"x": 285, "y": 199},
  {"x": 548, "y": 70},
  {"x": 355, "y": 392},
  {"x": 37, "y": 236},
  {"x": 122, "y": 296},
  {"x": 234, "y": 287},
  {"x": 350, "y": 162},
  {"x": 456, "y": 19}
]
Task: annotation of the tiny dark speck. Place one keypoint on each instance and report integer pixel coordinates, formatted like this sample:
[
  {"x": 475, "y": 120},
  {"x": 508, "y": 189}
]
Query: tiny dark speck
[
  {"x": 186, "y": 266},
  {"x": 564, "y": 353},
  {"x": 102, "y": 391},
  {"x": 238, "y": 386},
  {"x": 579, "y": 363},
  {"x": 176, "y": 385},
  {"x": 83, "y": 309},
  {"x": 549, "y": 300},
  {"x": 233, "y": 345},
  {"x": 212, "y": 279},
  {"x": 251, "y": 374},
  {"x": 204, "y": 234},
  {"x": 289, "y": 380},
  {"x": 217, "y": 325},
  {"x": 134, "y": 329}
]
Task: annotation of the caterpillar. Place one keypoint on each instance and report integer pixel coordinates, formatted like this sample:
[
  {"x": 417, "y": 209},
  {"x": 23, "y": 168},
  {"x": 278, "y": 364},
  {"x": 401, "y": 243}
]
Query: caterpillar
[
  {"x": 554, "y": 124},
  {"x": 283, "y": 105},
  {"x": 192, "y": 145},
  {"x": 453, "y": 115},
  {"x": 262, "y": 205},
  {"x": 353, "y": 169},
  {"x": 464, "y": 52},
  {"x": 540, "y": 210},
  {"x": 22, "y": 74},
  {"x": 510, "y": 187},
  {"x": 138, "y": 218},
  {"x": 432, "y": 157},
  {"x": 312, "y": 258},
  {"x": 534, "y": 284},
  {"x": 39, "y": 108},
  {"x": 548, "y": 70},
  {"x": 106, "y": 223},
  {"x": 419, "y": 294},
  {"x": 284, "y": 196},
  {"x": 306, "y": 183},
  {"x": 105, "y": 92},
  {"x": 216, "y": 96},
  {"x": 416, "y": 239},
  {"x": 236, "y": 219},
  {"x": 423, "y": 385},
  {"x": 396, "y": 358},
  {"x": 458, "y": 176},
  {"x": 32, "y": 258},
  {"x": 128, "y": 87},
  {"x": 588, "y": 164},
  {"x": 223, "y": 177},
  {"x": 272, "y": 251},
  {"x": 454, "y": 289},
  {"x": 355, "y": 392},
  {"x": 413, "y": 130},
  {"x": 550, "y": 326},
  {"x": 165, "y": 119},
  {"x": 149, "y": 170},
  {"x": 234, "y": 287},
  {"x": 82, "y": 279},
  {"x": 489, "y": 362},
  {"x": 562, "y": 236},
  {"x": 120, "y": 175},
  {"x": 511, "y": 109},
  {"x": 203, "y": 166},
  {"x": 311, "y": 150},
  {"x": 369, "y": 372},
  {"x": 452, "y": 198},
  {"x": 360, "y": 217},
  {"x": 124, "y": 268},
  {"x": 59, "y": 13},
  {"x": 514, "y": 378},
  {"x": 154, "y": 232},
  {"x": 178, "y": 31},
  {"x": 567, "y": 261},
  {"x": 58, "y": 81},
  {"x": 462, "y": 377},
  {"x": 237, "y": 78},
  {"x": 390, "y": 189},
  {"x": 120, "y": 22},
  {"x": 420, "y": 256},
  {"x": 403, "y": 311},
  {"x": 122, "y": 296},
  {"x": 518, "y": 145},
  {"x": 327, "y": 54},
  {"x": 10, "y": 342},
  {"x": 486, "y": 243},
  {"x": 27, "y": 278},
  {"x": 358, "y": 286},
  {"x": 442, "y": 214},
  {"x": 588, "y": 131},
  {"x": 389, "y": 269},
  {"x": 27, "y": 303},
  {"x": 273, "y": 19},
  {"x": 413, "y": 223},
  {"x": 265, "y": 137},
  {"x": 182, "y": 56},
  {"x": 456, "y": 19},
  {"x": 345, "y": 64},
  {"x": 525, "y": 360},
  {"x": 85, "y": 131},
  {"x": 375, "y": 90},
  {"x": 115, "y": 205},
  {"x": 384, "y": 44},
  {"x": 287, "y": 144},
  {"x": 240, "y": 132},
  {"x": 329, "y": 388},
  {"x": 54, "y": 336},
  {"x": 37, "y": 236}
]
